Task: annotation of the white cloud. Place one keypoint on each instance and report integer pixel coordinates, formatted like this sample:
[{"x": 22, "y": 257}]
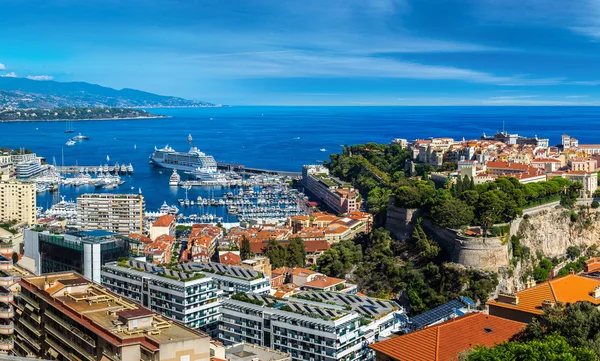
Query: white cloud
[
  {"x": 9, "y": 75},
  {"x": 576, "y": 96},
  {"x": 40, "y": 77},
  {"x": 514, "y": 97},
  {"x": 2, "y": 66}
]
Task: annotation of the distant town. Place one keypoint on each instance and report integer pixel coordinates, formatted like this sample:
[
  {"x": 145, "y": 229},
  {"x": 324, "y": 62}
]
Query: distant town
[{"x": 382, "y": 248}]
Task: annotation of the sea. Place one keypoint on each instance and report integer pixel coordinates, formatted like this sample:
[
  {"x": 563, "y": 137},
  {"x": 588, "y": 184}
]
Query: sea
[{"x": 279, "y": 138}]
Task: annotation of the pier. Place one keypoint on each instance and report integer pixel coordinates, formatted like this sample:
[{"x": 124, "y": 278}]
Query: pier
[
  {"x": 247, "y": 170},
  {"x": 74, "y": 169}
]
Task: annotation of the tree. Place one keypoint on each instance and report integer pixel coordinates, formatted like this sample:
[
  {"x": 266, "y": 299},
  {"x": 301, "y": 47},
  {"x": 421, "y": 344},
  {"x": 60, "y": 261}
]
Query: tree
[
  {"x": 339, "y": 260},
  {"x": 452, "y": 213},
  {"x": 15, "y": 257},
  {"x": 245, "y": 251},
  {"x": 427, "y": 248},
  {"x": 542, "y": 271},
  {"x": 578, "y": 323},
  {"x": 550, "y": 348},
  {"x": 573, "y": 252},
  {"x": 276, "y": 253},
  {"x": 296, "y": 253}
]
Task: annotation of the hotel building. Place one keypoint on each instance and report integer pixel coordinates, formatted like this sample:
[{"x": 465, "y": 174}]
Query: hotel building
[
  {"x": 120, "y": 213},
  {"x": 319, "y": 326},
  {"x": 67, "y": 317},
  {"x": 190, "y": 298}
]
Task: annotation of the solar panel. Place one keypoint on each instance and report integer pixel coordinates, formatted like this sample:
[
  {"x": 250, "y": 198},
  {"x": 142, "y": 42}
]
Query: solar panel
[{"x": 437, "y": 314}]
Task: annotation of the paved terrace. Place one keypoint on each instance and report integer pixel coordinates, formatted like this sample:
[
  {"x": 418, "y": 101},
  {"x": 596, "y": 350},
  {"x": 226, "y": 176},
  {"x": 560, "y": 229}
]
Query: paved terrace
[
  {"x": 222, "y": 269},
  {"x": 326, "y": 312}
]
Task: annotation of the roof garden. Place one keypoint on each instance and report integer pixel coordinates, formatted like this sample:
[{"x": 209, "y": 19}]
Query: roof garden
[
  {"x": 365, "y": 306},
  {"x": 290, "y": 305},
  {"x": 223, "y": 270},
  {"x": 173, "y": 273}
]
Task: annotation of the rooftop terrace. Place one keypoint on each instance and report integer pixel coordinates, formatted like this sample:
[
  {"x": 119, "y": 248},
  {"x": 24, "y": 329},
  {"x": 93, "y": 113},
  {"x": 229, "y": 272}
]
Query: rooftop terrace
[
  {"x": 365, "y": 306},
  {"x": 104, "y": 312},
  {"x": 223, "y": 270},
  {"x": 173, "y": 273}
]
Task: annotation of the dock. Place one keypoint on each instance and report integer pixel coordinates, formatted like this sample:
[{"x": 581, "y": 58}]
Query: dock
[
  {"x": 248, "y": 170},
  {"x": 74, "y": 169}
]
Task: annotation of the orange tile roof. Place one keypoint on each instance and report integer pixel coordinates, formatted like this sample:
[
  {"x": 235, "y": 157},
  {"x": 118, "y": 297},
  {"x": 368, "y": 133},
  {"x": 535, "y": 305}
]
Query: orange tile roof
[
  {"x": 445, "y": 341},
  {"x": 324, "y": 282},
  {"x": 230, "y": 258},
  {"x": 506, "y": 165},
  {"x": 303, "y": 272},
  {"x": 164, "y": 220},
  {"x": 140, "y": 238},
  {"x": 567, "y": 289}
]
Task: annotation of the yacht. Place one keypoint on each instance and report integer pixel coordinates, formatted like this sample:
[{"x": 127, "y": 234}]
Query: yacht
[
  {"x": 123, "y": 168},
  {"x": 175, "y": 178},
  {"x": 70, "y": 142},
  {"x": 165, "y": 209},
  {"x": 208, "y": 175},
  {"x": 130, "y": 168},
  {"x": 81, "y": 137},
  {"x": 190, "y": 138}
]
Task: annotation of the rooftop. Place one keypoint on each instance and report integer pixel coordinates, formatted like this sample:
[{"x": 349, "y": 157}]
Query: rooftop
[
  {"x": 174, "y": 273},
  {"x": 568, "y": 289},
  {"x": 446, "y": 340},
  {"x": 98, "y": 309},
  {"x": 248, "y": 352},
  {"x": 365, "y": 306},
  {"x": 164, "y": 220},
  {"x": 223, "y": 270}
]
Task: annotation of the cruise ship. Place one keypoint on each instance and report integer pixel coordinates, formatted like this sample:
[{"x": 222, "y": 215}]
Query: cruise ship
[{"x": 167, "y": 157}]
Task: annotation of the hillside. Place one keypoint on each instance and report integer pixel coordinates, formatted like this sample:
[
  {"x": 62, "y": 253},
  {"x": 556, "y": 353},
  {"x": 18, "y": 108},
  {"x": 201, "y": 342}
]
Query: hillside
[
  {"x": 55, "y": 114},
  {"x": 25, "y": 93}
]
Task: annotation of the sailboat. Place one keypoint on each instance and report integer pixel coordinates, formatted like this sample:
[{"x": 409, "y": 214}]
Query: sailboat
[
  {"x": 189, "y": 138},
  {"x": 107, "y": 159},
  {"x": 69, "y": 126}
]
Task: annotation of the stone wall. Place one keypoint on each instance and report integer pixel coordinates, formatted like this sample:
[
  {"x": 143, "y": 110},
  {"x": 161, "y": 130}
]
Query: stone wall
[{"x": 547, "y": 228}]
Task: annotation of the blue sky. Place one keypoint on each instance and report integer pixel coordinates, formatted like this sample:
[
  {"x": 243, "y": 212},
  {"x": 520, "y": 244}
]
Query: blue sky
[{"x": 314, "y": 52}]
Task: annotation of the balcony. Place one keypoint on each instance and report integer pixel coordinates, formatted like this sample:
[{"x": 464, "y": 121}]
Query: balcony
[
  {"x": 7, "y": 328},
  {"x": 7, "y": 344},
  {"x": 6, "y": 249},
  {"x": 6, "y": 295},
  {"x": 6, "y": 312},
  {"x": 5, "y": 263},
  {"x": 29, "y": 300},
  {"x": 6, "y": 279}
]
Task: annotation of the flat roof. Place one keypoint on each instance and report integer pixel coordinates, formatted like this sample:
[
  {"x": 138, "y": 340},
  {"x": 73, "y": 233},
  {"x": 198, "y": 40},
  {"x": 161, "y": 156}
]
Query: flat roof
[
  {"x": 366, "y": 306},
  {"x": 97, "y": 309},
  {"x": 248, "y": 352},
  {"x": 222, "y": 269}
]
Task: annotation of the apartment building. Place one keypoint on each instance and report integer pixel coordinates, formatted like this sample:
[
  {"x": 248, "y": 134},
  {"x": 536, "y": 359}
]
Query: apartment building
[
  {"x": 164, "y": 225},
  {"x": 232, "y": 279},
  {"x": 120, "y": 213},
  {"x": 7, "y": 326},
  {"x": 83, "y": 252},
  {"x": 337, "y": 195},
  {"x": 67, "y": 317},
  {"x": 191, "y": 298},
  {"x": 17, "y": 201},
  {"x": 322, "y": 326},
  {"x": 28, "y": 169}
]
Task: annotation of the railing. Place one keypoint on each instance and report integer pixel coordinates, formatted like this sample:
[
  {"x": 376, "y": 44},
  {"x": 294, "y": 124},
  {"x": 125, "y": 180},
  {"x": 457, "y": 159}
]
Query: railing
[
  {"x": 29, "y": 300},
  {"x": 30, "y": 327},
  {"x": 7, "y": 329},
  {"x": 7, "y": 344},
  {"x": 60, "y": 349}
]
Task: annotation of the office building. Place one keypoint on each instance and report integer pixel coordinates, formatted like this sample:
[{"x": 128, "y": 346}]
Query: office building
[
  {"x": 190, "y": 298},
  {"x": 120, "y": 213},
  {"x": 339, "y": 196},
  {"x": 17, "y": 201},
  {"x": 83, "y": 252},
  {"x": 232, "y": 279},
  {"x": 68, "y": 317},
  {"x": 317, "y": 326}
]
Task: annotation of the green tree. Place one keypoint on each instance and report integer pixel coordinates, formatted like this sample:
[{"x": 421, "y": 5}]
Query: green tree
[
  {"x": 550, "y": 348},
  {"x": 276, "y": 253},
  {"x": 296, "y": 253},
  {"x": 15, "y": 257},
  {"x": 452, "y": 213},
  {"x": 338, "y": 260},
  {"x": 426, "y": 247},
  {"x": 245, "y": 251},
  {"x": 573, "y": 252}
]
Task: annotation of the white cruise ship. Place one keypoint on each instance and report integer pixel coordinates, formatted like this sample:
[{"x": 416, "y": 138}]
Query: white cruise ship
[{"x": 167, "y": 157}]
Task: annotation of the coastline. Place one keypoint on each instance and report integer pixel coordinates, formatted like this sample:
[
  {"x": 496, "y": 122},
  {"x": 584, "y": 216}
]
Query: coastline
[{"x": 82, "y": 120}]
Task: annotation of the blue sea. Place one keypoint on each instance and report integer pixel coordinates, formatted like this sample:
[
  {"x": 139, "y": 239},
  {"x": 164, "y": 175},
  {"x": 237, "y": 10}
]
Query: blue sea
[{"x": 282, "y": 138}]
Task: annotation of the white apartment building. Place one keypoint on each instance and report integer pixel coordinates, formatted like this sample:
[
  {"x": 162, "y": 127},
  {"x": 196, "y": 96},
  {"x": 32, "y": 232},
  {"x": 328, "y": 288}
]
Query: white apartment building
[{"x": 119, "y": 213}]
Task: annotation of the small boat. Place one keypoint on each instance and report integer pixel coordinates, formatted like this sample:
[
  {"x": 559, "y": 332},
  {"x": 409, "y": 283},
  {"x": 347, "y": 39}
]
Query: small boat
[
  {"x": 323, "y": 150},
  {"x": 81, "y": 137},
  {"x": 190, "y": 138},
  {"x": 130, "y": 168},
  {"x": 70, "y": 142}
]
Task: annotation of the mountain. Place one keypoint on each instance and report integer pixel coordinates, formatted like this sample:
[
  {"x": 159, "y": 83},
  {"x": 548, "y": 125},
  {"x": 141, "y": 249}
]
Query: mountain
[{"x": 27, "y": 93}]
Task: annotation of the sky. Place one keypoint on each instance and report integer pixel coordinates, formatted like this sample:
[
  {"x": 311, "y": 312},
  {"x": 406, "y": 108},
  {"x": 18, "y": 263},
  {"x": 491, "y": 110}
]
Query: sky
[{"x": 314, "y": 52}]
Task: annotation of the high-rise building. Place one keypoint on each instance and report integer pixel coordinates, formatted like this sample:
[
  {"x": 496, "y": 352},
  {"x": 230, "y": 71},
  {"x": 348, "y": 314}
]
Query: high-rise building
[
  {"x": 84, "y": 252},
  {"x": 188, "y": 297},
  {"x": 120, "y": 213},
  {"x": 6, "y": 299},
  {"x": 67, "y": 317},
  {"x": 17, "y": 201},
  {"x": 314, "y": 326}
]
